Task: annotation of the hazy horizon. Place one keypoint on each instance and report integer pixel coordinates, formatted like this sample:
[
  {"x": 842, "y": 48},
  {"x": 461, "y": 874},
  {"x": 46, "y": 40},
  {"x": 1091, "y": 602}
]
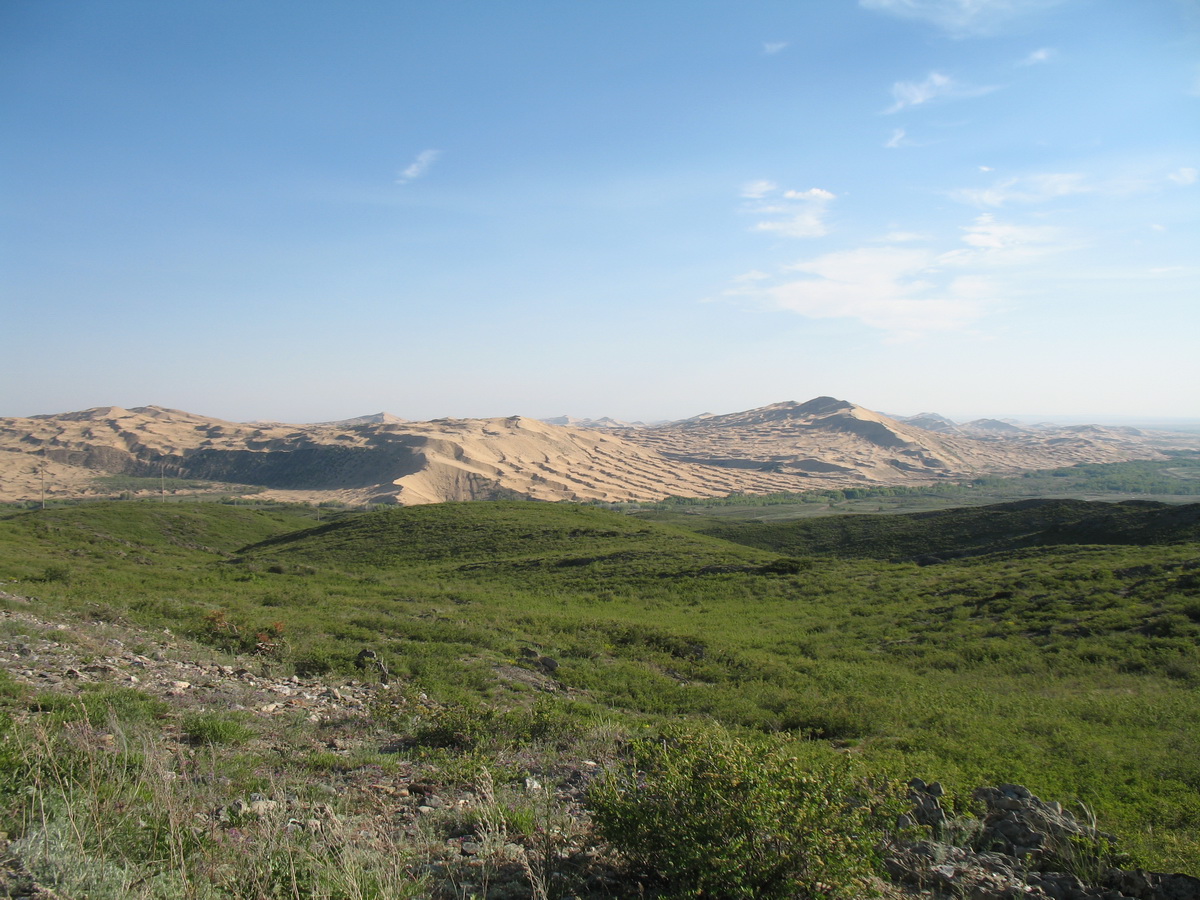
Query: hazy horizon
[
  {"x": 292, "y": 212},
  {"x": 1182, "y": 423}
]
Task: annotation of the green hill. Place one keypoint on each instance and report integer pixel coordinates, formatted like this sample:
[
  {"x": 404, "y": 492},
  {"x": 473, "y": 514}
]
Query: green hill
[
  {"x": 1057, "y": 645},
  {"x": 503, "y": 534},
  {"x": 970, "y": 531}
]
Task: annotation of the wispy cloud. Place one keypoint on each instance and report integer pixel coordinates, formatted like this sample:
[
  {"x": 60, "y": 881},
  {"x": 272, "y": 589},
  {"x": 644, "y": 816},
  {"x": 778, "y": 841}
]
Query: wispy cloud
[
  {"x": 770, "y": 48},
  {"x": 790, "y": 213},
  {"x": 907, "y": 291},
  {"x": 1037, "y": 57},
  {"x": 896, "y": 140},
  {"x": 1184, "y": 176},
  {"x": 889, "y": 288},
  {"x": 756, "y": 190},
  {"x": 936, "y": 86},
  {"x": 962, "y": 18},
  {"x": 419, "y": 166},
  {"x": 1025, "y": 189},
  {"x": 991, "y": 243}
]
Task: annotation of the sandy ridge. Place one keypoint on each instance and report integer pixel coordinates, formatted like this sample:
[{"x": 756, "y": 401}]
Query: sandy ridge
[{"x": 786, "y": 446}]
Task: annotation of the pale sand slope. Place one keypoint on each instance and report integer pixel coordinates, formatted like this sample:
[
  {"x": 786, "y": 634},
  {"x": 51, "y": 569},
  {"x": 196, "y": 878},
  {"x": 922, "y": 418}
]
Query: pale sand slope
[
  {"x": 836, "y": 439},
  {"x": 782, "y": 447}
]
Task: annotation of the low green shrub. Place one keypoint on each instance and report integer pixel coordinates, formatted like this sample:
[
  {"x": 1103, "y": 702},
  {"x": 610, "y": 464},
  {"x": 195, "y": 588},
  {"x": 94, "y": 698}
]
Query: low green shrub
[
  {"x": 710, "y": 815},
  {"x": 216, "y": 728},
  {"x": 100, "y": 705}
]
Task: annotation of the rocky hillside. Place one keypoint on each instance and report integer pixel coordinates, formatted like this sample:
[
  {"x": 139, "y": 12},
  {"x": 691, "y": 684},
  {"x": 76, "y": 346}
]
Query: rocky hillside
[
  {"x": 380, "y": 458},
  {"x": 411, "y": 829}
]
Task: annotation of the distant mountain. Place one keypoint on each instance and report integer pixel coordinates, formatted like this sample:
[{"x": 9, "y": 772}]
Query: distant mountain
[
  {"x": 603, "y": 422},
  {"x": 379, "y": 418},
  {"x": 931, "y": 422},
  {"x": 788, "y": 446},
  {"x": 991, "y": 426}
]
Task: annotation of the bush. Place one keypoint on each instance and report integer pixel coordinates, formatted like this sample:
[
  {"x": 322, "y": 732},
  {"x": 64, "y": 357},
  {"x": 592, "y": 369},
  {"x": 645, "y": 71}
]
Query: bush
[
  {"x": 709, "y": 815},
  {"x": 216, "y": 728},
  {"x": 470, "y": 725},
  {"x": 56, "y": 573}
]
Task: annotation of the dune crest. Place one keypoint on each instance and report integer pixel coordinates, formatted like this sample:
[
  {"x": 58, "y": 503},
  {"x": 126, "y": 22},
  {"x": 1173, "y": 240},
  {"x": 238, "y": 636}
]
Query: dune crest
[{"x": 789, "y": 446}]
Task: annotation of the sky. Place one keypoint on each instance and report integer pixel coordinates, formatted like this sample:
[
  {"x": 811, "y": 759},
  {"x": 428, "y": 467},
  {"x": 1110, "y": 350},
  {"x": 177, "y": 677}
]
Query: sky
[{"x": 266, "y": 210}]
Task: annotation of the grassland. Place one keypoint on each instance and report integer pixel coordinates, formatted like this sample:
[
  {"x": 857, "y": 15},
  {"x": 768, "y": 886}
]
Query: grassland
[
  {"x": 1053, "y": 645},
  {"x": 1174, "y": 480}
]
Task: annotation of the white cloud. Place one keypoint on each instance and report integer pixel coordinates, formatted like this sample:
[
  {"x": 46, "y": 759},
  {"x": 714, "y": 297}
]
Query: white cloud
[
  {"x": 755, "y": 190},
  {"x": 1025, "y": 189},
  {"x": 896, "y": 140},
  {"x": 961, "y": 18},
  {"x": 419, "y": 166},
  {"x": 889, "y": 288},
  {"x": 811, "y": 194},
  {"x": 991, "y": 243},
  {"x": 770, "y": 48},
  {"x": 1041, "y": 55},
  {"x": 1184, "y": 176},
  {"x": 936, "y": 86},
  {"x": 906, "y": 291},
  {"x": 985, "y": 168},
  {"x": 790, "y": 213}
]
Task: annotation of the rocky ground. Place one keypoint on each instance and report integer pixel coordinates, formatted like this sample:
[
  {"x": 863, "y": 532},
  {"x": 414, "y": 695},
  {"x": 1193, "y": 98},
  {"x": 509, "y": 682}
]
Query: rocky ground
[{"x": 1020, "y": 846}]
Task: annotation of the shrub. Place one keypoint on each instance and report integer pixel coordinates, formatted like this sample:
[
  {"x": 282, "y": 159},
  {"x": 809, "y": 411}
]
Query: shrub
[
  {"x": 56, "y": 573},
  {"x": 215, "y": 728},
  {"x": 710, "y": 815}
]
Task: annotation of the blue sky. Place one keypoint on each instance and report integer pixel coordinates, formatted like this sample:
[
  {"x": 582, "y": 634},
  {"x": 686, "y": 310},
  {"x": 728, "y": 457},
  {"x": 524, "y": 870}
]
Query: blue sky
[{"x": 308, "y": 211}]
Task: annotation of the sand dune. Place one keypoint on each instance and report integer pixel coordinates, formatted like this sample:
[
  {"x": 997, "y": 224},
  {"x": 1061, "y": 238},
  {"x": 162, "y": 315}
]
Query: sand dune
[{"x": 380, "y": 458}]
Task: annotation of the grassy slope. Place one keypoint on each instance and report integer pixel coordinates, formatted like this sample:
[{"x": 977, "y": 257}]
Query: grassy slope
[
  {"x": 969, "y": 530},
  {"x": 1174, "y": 480},
  {"x": 1073, "y": 669}
]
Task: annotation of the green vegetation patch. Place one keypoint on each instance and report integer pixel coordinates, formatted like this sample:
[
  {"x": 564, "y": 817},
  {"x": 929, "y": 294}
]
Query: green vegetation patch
[
  {"x": 1055, "y": 645},
  {"x": 972, "y": 530}
]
